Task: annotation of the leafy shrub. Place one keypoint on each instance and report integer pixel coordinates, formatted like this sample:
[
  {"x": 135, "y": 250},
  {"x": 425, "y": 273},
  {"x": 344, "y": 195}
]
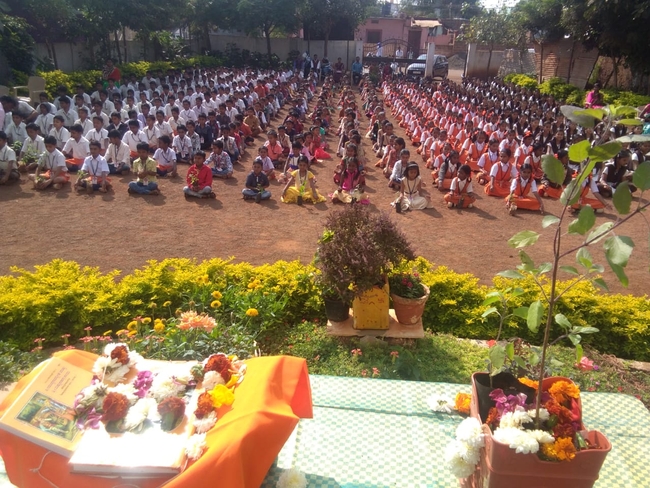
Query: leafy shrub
[
  {"x": 557, "y": 88},
  {"x": 616, "y": 97},
  {"x": 576, "y": 98},
  {"x": 54, "y": 79},
  {"x": 86, "y": 78},
  {"x": 139, "y": 69},
  {"x": 525, "y": 81},
  {"x": 14, "y": 363}
]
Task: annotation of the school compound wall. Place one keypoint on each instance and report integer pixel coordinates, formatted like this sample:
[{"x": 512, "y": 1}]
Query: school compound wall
[
  {"x": 73, "y": 57},
  {"x": 346, "y": 50}
]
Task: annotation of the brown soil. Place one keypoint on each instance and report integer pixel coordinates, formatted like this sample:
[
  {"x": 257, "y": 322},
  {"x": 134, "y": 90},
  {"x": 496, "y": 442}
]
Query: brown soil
[{"x": 120, "y": 231}]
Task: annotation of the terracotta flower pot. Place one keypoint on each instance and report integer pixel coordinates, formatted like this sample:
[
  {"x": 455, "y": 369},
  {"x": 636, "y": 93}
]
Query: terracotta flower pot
[
  {"x": 409, "y": 310},
  {"x": 501, "y": 467}
]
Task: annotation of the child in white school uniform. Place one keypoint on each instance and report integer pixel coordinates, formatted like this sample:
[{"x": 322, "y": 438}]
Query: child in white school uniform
[
  {"x": 182, "y": 145},
  {"x": 84, "y": 121},
  {"x": 118, "y": 154},
  {"x": 51, "y": 169},
  {"x": 60, "y": 133},
  {"x": 16, "y": 130},
  {"x": 8, "y": 162},
  {"x": 76, "y": 150},
  {"x": 45, "y": 120},
  {"x": 95, "y": 172},
  {"x": 99, "y": 134},
  {"x": 32, "y": 146},
  {"x": 133, "y": 137}
]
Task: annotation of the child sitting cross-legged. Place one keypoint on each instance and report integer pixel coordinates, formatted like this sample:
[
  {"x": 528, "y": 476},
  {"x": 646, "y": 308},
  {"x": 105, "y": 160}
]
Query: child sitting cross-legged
[
  {"x": 8, "y": 163},
  {"x": 165, "y": 157},
  {"x": 461, "y": 193},
  {"x": 256, "y": 184},
  {"x": 520, "y": 192},
  {"x": 94, "y": 171},
  {"x": 76, "y": 150},
  {"x": 118, "y": 154},
  {"x": 51, "y": 169},
  {"x": 199, "y": 178},
  {"x": 219, "y": 161},
  {"x": 409, "y": 197},
  {"x": 145, "y": 169},
  {"x": 304, "y": 188},
  {"x": 267, "y": 165},
  {"x": 351, "y": 183}
]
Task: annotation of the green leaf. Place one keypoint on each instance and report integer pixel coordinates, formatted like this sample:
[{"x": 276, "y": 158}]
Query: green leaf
[
  {"x": 520, "y": 362},
  {"x": 599, "y": 232},
  {"x": 523, "y": 239},
  {"x": 573, "y": 114},
  {"x": 585, "y": 221},
  {"x": 586, "y": 171},
  {"x": 570, "y": 269},
  {"x": 579, "y": 353},
  {"x": 597, "y": 113},
  {"x": 575, "y": 339},
  {"x": 544, "y": 268},
  {"x": 510, "y": 351},
  {"x": 641, "y": 177},
  {"x": 630, "y": 122},
  {"x": 535, "y": 316},
  {"x": 517, "y": 292},
  {"x": 583, "y": 258},
  {"x": 521, "y": 312},
  {"x": 578, "y": 152},
  {"x": 511, "y": 273},
  {"x": 600, "y": 283},
  {"x": 549, "y": 220},
  {"x": 571, "y": 193},
  {"x": 533, "y": 359},
  {"x": 553, "y": 169},
  {"x": 526, "y": 261},
  {"x": 597, "y": 268},
  {"x": 619, "y": 271},
  {"x": 618, "y": 249},
  {"x": 604, "y": 152},
  {"x": 623, "y": 110},
  {"x": 585, "y": 330},
  {"x": 489, "y": 312},
  {"x": 490, "y": 300},
  {"x": 555, "y": 363},
  {"x": 497, "y": 357},
  {"x": 562, "y": 321},
  {"x": 623, "y": 198}
]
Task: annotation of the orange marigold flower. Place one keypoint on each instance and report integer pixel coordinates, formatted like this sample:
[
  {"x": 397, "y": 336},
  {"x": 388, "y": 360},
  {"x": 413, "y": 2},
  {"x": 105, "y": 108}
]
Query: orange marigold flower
[
  {"x": 530, "y": 383},
  {"x": 562, "y": 413},
  {"x": 462, "y": 403},
  {"x": 563, "y": 390},
  {"x": 492, "y": 417},
  {"x": 114, "y": 407},
  {"x": 564, "y": 430},
  {"x": 121, "y": 353},
  {"x": 204, "y": 405},
  {"x": 172, "y": 405},
  {"x": 221, "y": 364},
  {"x": 560, "y": 450}
]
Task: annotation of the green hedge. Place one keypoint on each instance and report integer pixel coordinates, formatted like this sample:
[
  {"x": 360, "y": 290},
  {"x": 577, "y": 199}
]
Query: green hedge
[{"x": 63, "y": 297}]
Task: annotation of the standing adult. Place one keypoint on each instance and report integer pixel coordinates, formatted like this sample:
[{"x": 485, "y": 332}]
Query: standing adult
[
  {"x": 399, "y": 53},
  {"x": 339, "y": 69},
  {"x": 316, "y": 66},
  {"x": 357, "y": 71},
  {"x": 307, "y": 66},
  {"x": 26, "y": 111},
  {"x": 111, "y": 72},
  {"x": 380, "y": 50}
]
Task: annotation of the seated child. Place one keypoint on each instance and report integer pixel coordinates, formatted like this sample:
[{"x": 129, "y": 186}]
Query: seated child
[
  {"x": 165, "y": 158},
  {"x": 145, "y": 169},
  {"x": 614, "y": 173},
  {"x": 599, "y": 204},
  {"x": 501, "y": 175},
  {"x": 351, "y": 184},
  {"x": 33, "y": 146},
  {"x": 133, "y": 137},
  {"x": 304, "y": 189},
  {"x": 16, "y": 130},
  {"x": 256, "y": 184},
  {"x": 409, "y": 196},
  {"x": 448, "y": 171},
  {"x": 229, "y": 144},
  {"x": 253, "y": 122},
  {"x": 98, "y": 133},
  {"x": 118, "y": 154},
  {"x": 76, "y": 150},
  {"x": 182, "y": 145},
  {"x": 94, "y": 171},
  {"x": 274, "y": 149},
  {"x": 199, "y": 178},
  {"x": 549, "y": 189},
  {"x": 8, "y": 163},
  {"x": 60, "y": 133},
  {"x": 461, "y": 193},
  {"x": 487, "y": 161},
  {"x": 51, "y": 168},
  {"x": 220, "y": 161},
  {"x": 520, "y": 191},
  {"x": 395, "y": 180},
  {"x": 267, "y": 165}
]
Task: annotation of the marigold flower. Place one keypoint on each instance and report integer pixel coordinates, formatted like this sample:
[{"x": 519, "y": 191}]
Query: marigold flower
[
  {"x": 159, "y": 327},
  {"x": 222, "y": 396},
  {"x": 121, "y": 354},
  {"x": 493, "y": 416},
  {"x": 563, "y": 390},
  {"x": 133, "y": 325},
  {"x": 215, "y": 304},
  {"x": 560, "y": 450},
  {"x": 220, "y": 364},
  {"x": 462, "y": 403},
  {"x": 133, "y": 333},
  {"x": 153, "y": 305},
  {"x": 114, "y": 407},
  {"x": 167, "y": 303},
  {"x": 530, "y": 383},
  {"x": 252, "y": 312},
  {"x": 204, "y": 405},
  {"x": 171, "y": 409},
  {"x": 146, "y": 320},
  {"x": 216, "y": 295}
]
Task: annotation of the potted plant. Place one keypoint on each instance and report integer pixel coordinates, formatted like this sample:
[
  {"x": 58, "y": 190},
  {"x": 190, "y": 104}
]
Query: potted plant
[
  {"x": 513, "y": 439},
  {"x": 354, "y": 255},
  {"x": 409, "y": 296}
]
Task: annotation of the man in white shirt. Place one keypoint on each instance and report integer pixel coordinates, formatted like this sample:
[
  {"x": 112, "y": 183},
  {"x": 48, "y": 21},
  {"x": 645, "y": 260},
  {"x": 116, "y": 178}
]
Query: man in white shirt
[{"x": 8, "y": 166}]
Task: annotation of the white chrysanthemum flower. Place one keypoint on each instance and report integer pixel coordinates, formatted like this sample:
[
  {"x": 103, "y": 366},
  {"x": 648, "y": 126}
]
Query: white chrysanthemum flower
[
  {"x": 195, "y": 446},
  {"x": 108, "y": 349},
  {"x": 470, "y": 432},
  {"x": 461, "y": 458},
  {"x": 541, "y": 436},
  {"x": 100, "y": 366},
  {"x": 134, "y": 358},
  {"x": 517, "y": 439},
  {"x": 292, "y": 478},
  {"x": 138, "y": 413},
  {"x": 126, "y": 389},
  {"x": 164, "y": 386},
  {"x": 515, "y": 419},
  {"x": 93, "y": 396},
  {"x": 116, "y": 375},
  {"x": 440, "y": 403},
  {"x": 206, "y": 423},
  {"x": 212, "y": 379},
  {"x": 543, "y": 414}
]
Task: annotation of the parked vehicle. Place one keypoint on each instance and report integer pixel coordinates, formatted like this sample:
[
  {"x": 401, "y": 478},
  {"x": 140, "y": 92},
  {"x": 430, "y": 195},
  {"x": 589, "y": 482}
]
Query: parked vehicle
[{"x": 415, "y": 71}]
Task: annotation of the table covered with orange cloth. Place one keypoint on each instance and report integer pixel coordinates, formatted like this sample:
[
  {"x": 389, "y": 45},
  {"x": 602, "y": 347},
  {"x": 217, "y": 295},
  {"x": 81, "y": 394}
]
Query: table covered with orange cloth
[{"x": 241, "y": 447}]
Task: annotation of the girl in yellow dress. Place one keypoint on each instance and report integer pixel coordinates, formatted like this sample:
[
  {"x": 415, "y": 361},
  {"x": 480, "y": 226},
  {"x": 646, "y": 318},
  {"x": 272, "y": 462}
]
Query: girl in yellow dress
[{"x": 304, "y": 186}]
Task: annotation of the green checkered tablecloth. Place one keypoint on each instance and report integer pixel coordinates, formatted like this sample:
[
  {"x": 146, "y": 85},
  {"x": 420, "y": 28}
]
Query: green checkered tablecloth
[{"x": 371, "y": 433}]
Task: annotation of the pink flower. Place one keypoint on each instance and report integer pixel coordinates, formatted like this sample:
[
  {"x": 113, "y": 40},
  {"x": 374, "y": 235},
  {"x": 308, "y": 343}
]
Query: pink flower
[
  {"x": 395, "y": 354},
  {"x": 364, "y": 373},
  {"x": 409, "y": 285},
  {"x": 491, "y": 343},
  {"x": 356, "y": 352},
  {"x": 375, "y": 372},
  {"x": 586, "y": 364},
  {"x": 88, "y": 328}
]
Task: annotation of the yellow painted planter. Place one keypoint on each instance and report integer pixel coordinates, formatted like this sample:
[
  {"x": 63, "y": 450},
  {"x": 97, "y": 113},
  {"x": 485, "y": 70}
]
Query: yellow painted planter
[{"x": 370, "y": 310}]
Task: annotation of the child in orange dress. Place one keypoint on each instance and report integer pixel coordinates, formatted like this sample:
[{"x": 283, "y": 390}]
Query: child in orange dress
[
  {"x": 520, "y": 192},
  {"x": 486, "y": 161},
  {"x": 501, "y": 176},
  {"x": 473, "y": 150},
  {"x": 461, "y": 193},
  {"x": 535, "y": 161},
  {"x": 449, "y": 170},
  {"x": 599, "y": 204}
]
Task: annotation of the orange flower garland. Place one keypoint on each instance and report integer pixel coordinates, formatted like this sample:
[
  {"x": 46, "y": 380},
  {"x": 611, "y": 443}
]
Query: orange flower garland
[
  {"x": 561, "y": 391},
  {"x": 220, "y": 364},
  {"x": 560, "y": 450},
  {"x": 462, "y": 403},
  {"x": 530, "y": 383},
  {"x": 115, "y": 407},
  {"x": 121, "y": 354},
  {"x": 204, "y": 405}
]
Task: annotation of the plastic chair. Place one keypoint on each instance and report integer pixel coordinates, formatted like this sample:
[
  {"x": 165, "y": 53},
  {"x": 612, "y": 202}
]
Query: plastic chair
[
  {"x": 35, "y": 86},
  {"x": 4, "y": 90}
]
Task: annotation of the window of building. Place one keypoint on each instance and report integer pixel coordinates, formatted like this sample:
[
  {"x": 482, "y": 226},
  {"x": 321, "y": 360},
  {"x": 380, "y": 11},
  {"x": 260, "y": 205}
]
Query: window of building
[{"x": 373, "y": 36}]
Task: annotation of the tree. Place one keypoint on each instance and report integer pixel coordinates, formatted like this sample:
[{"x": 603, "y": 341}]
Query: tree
[
  {"x": 267, "y": 16},
  {"x": 442, "y": 8}
]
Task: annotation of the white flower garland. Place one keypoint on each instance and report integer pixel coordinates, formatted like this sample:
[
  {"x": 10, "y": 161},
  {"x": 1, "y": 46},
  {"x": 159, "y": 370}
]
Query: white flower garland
[
  {"x": 109, "y": 369},
  {"x": 441, "y": 403},
  {"x": 463, "y": 454},
  {"x": 292, "y": 478}
]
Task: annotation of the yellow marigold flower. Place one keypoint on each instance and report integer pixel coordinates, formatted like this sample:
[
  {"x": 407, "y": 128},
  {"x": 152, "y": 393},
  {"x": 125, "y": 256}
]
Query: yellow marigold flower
[
  {"x": 146, "y": 320},
  {"x": 159, "y": 327},
  {"x": 215, "y": 304},
  {"x": 266, "y": 293},
  {"x": 252, "y": 312},
  {"x": 133, "y": 325},
  {"x": 233, "y": 381},
  {"x": 462, "y": 403},
  {"x": 205, "y": 279},
  {"x": 216, "y": 295},
  {"x": 561, "y": 391},
  {"x": 560, "y": 450},
  {"x": 167, "y": 303},
  {"x": 222, "y": 396},
  {"x": 528, "y": 382},
  {"x": 108, "y": 332},
  {"x": 133, "y": 333},
  {"x": 122, "y": 332},
  {"x": 251, "y": 286},
  {"x": 178, "y": 312},
  {"x": 153, "y": 305}
]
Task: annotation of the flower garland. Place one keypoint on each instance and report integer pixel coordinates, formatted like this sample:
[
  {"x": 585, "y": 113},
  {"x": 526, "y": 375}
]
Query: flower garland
[
  {"x": 463, "y": 454},
  {"x": 115, "y": 363}
]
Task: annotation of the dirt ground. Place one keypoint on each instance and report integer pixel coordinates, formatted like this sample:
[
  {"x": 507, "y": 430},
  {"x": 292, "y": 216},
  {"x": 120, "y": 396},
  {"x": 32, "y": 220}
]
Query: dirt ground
[{"x": 121, "y": 231}]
